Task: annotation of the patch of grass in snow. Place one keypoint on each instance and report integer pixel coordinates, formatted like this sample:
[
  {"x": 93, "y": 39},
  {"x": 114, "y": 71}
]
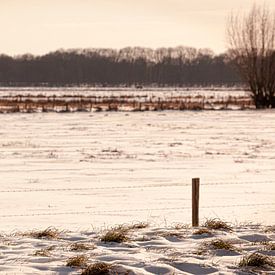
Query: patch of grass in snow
[
  {"x": 179, "y": 226},
  {"x": 215, "y": 244},
  {"x": 138, "y": 225},
  {"x": 202, "y": 231},
  {"x": 217, "y": 224},
  {"x": 77, "y": 261},
  {"x": 116, "y": 234},
  {"x": 222, "y": 244},
  {"x": 46, "y": 252},
  {"x": 269, "y": 245},
  {"x": 99, "y": 268},
  {"x": 81, "y": 247},
  {"x": 49, "y": 233},
  {"x": 256, "y": 260},
  {"x": 172, "y": 234},
  {"x": 270, "y": 229}
]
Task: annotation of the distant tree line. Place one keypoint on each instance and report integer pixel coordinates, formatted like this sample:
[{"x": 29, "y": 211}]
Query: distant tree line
[{"x": 180, "y": 66}]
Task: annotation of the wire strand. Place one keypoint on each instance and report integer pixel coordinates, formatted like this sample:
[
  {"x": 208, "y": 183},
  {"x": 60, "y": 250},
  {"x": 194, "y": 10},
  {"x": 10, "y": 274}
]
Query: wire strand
[
  {"x": 130, "y": 187},
  {"x": 128, "y": 210}
]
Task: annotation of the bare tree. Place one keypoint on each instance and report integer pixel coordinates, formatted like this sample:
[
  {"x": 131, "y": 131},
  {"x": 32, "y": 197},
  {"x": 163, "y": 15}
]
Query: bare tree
[{"x": 251, "y": 43}]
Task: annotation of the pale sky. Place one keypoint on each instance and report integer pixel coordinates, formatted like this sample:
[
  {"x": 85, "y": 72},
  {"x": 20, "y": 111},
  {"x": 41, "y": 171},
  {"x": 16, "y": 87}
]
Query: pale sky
[{"x": 40, "y": 26}]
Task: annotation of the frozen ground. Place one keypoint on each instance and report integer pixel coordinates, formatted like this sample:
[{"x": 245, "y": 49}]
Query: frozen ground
[{"x": 92, "y": 170}]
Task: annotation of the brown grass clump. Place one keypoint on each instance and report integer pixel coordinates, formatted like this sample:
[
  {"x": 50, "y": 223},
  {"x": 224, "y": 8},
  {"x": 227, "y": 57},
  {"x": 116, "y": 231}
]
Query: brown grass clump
[
  {"x": 202, "y": 231},
  {"x": 217, "y": 224},
  {"x": 99, "y": 268},
  {"x": 77, "y": 261},
  {"x": 222, "y": 244},
  {"x": 139, "y": 225},
  {"x": 46, "y": 252},
  {"x": 256, "y": 260},
  {"x": 179, "y": 226},
  {"x": 81, "y": 246},
  {"x": 118, "y": 235},
  {"x": 270, "y": 246},
  {"x": 172, "y": 234},
  {"x": 49, "y": 233},
  {"x": 270, "y": 229}
]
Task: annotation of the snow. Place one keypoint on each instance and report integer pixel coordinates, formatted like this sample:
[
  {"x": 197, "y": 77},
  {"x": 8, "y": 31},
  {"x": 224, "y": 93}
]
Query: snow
[
  {"x": 86, "y": 172},
  {"x": 166, "y": 250},
  {"x": 80, "y": 170}
]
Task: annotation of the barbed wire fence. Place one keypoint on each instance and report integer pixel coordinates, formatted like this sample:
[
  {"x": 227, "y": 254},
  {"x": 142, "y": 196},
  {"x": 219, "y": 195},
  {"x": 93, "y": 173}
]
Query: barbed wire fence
[{"x": 149, "y": 186}]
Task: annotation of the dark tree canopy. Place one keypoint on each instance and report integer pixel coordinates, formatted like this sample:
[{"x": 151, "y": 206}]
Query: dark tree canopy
[{"x": 180, "y": 66}]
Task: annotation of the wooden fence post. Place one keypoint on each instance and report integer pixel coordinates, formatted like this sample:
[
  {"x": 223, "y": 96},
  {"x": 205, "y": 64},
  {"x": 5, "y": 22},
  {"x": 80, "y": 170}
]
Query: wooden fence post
[{"x": 195, "y": 201}]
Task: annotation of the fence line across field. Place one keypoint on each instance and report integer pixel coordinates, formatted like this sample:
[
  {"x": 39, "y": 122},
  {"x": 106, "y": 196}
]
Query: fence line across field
[
  {"x": 130, "y": 187},
  {"x": 129, "y": 210}
]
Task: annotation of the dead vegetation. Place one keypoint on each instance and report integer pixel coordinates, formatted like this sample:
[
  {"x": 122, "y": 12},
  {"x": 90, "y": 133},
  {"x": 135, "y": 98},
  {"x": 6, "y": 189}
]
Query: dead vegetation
[
  {"x": 138, "y": 225},
  {"x": 173, "y": 235},
  {"x": 77, "y": 261},
  {"x": 202, "y": 231},
  {"x": 117, "y": 234},
  {"x": 49, "y": 233},
  {"x": 270, "y": 229},
  {"x": 179, "y": 226},
  {"x": 222, "y": 244},
  {"x": 215, "y": 244},
  {"x": 81, "y": 246},
  {"x": 68, "y": 103},
  {"x": 46, "y": 252},
  {"x": 217, "y": 224},
  {"x": 256, "y": 260},
  {"x": 269, "y": 245},
  {"x": 99, "y": 268}
]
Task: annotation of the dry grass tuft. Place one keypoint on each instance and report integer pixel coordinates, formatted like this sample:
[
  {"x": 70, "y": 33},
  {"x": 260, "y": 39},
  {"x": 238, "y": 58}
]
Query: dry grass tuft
[
  {"x": 270, "y": 246},
  {"x": 217, "y": 224},
  {"x": 222, "y": 244},
  {"x": 49, "y": 233},
  {"x": 256, "y": 260},
  {"x": 270, "y": 229},
  {"x": 81, "y": 246},
  {"x": 202, "y": 231},
  {"x": 139, "y": 225},
  {"x": 118, "y": 235},
  {"x": 46, "y": 252},
  {"x": 173, "y": 234},
  {"x": 99, "y": 268},
  {"x": 77, "y": 261},
  {"x": 179, "y": 226}
]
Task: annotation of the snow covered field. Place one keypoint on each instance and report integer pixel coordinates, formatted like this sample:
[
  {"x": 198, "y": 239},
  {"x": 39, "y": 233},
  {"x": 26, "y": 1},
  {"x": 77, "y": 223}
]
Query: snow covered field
[
  {"x": 119, "y": 91},
  {"x": 80, "y": 170},
  {"x": 86, "y": 172}
]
